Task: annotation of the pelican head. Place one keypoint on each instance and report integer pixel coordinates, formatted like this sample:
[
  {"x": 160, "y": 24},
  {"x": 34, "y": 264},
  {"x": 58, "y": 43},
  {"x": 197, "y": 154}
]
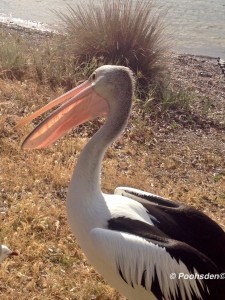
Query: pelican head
[{"x": 100, "y": 95}]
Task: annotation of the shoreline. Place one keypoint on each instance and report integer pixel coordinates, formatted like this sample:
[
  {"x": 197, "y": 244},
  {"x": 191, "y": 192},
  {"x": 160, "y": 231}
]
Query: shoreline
[{"x": 27, "y": 32}]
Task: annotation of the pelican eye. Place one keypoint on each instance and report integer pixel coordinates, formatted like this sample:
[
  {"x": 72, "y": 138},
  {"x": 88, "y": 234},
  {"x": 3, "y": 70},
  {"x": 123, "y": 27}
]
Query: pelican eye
[{"x": 93, "y": 76}]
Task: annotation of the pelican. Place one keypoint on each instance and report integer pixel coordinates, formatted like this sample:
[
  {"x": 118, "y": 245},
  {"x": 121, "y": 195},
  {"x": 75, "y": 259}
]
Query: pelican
[
  {"x": 6, "y": 252},
  {"x": 145, "y": 246}
]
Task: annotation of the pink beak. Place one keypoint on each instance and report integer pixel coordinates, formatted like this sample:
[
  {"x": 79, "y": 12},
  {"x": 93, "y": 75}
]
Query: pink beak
[{"x": 78, "y": 106}]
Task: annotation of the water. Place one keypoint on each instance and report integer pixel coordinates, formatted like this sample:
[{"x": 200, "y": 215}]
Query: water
[{"x": 197, "y": 26}]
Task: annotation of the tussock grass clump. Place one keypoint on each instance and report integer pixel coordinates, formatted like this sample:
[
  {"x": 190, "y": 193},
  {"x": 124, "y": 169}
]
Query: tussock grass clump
[
  {"x": 52, "y": 65},
  {"x": 13, "y": 62},
  {"x": 43, "y": 60},
  {"x": 169, "y": 99},
  {"x": 129, "y": 33}
]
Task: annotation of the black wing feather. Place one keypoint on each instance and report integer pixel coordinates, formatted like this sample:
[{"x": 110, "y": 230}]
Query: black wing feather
[{"x": 191, "y": 257}]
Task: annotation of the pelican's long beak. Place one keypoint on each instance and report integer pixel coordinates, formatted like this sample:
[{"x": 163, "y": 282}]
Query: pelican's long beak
[{"x": 78, "y": 106}]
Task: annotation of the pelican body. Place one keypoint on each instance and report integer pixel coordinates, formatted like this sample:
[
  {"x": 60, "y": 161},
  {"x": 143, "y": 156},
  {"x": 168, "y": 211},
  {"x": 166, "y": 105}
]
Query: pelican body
[{"x": 135, "y": 239}]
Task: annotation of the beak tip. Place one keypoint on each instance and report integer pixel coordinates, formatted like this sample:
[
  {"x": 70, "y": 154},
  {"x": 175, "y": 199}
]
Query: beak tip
[{"x": 23, "y": 145}]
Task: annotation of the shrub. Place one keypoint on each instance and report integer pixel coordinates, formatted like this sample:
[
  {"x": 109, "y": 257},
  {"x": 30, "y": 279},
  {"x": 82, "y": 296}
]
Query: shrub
[{"x": 127, "y": 32}]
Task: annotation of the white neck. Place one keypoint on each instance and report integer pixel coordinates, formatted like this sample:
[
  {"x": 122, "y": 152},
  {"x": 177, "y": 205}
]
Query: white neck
[
  {"x": 87, "y": 173},
  {"x": 85, "y": 200}
]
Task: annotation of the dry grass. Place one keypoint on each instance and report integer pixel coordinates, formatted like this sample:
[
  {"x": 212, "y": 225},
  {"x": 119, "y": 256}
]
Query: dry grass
[{"x": 183, "y": 164}]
